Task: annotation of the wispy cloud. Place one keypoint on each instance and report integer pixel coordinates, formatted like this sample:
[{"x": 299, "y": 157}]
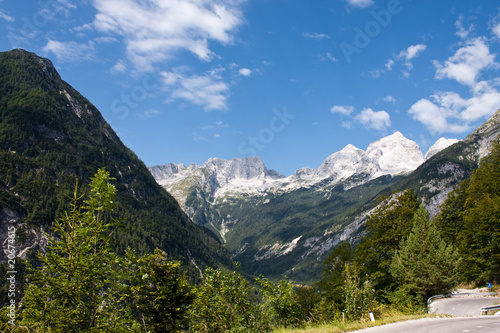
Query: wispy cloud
[
  {"x": 6, "y": 17},
  {"x": 154, "y": 31},
  {"x": 207, "y": 90},
  {"x": 360, "y": 3},
  {"x": 70, "y": 51},
  {"x": 342, "y": 109},
  {"x": 496, "y": 29},
  {"x": 403, "y": 59},
  {"x": 316, "y": 35},
  {"x": 389, "y": 99},
  {"x": 462, "y": 31}
]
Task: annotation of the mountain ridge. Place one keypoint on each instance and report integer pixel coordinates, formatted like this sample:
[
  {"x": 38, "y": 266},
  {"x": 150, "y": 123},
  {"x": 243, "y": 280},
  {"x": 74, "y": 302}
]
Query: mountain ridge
[
  {"x": 390, "y": 155},
  {"x": 50, "y": 138}
]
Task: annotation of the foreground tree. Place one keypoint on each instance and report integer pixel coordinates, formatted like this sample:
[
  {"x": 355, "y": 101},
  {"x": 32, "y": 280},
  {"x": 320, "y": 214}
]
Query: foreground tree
[
  {"x": 281, "y": 304},
  {"x": 358, "y": 297},
  {"x": 333, "y": 279},
  {"x": 160, "y": 293},
  {"x": 424, "y": 263},
  {"x": 223, "y": 304},
  {"x": 78, "y": 285},
  {"x": 386, "y": 228}
]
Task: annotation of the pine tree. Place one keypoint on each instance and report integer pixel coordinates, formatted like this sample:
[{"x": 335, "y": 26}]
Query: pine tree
[
  {"x": 160, "y": 293},
  {"x": 78, "y": 285},
  {"x": 386, "y": 228},
  {"x": 470, "y": 218},
  {"x": 424, "y": 263},
  {"x": 333, "y": 279}
]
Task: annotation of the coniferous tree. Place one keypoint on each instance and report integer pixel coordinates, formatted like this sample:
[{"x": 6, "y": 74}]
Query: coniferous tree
[
  {"x": 333, "y": 279},
  {"x": 471, "y": 216},
  {"x": 386, "y": 228},
  {"x": 160, "y": 292},
  {"x": 424, "y": 263},
  {"x": 78, "y": 286}
]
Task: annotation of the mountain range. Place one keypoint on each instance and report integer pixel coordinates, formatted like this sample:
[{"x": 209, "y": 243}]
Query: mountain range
[
  {"x": 392, "y": 155},
  {"x": 51, "y": 138},
  {"x": 275, "y": 224}
]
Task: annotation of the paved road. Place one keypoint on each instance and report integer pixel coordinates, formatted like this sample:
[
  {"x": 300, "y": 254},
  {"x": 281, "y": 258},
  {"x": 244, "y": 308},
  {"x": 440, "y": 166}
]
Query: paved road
[
  {"x": 486, "y": 324},
  {"x": 462, "y": 306}
]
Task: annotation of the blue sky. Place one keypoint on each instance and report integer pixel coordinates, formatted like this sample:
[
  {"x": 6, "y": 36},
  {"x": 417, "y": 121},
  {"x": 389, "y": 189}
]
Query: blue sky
[{"x": 292, "y": 81}]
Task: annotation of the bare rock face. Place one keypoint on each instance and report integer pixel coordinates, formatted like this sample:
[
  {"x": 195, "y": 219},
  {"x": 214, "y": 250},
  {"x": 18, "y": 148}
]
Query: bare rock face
[{"x": 17, "y": 238}]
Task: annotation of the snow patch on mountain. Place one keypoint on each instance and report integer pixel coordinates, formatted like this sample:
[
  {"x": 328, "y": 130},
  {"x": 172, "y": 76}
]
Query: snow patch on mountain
[
  {"x": 218, "y": 178},
  {"x": 440, "y": 144}
]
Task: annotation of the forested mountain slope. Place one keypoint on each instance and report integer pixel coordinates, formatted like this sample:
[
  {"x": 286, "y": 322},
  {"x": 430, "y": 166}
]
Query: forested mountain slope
[{"x": 50, "y": 137}]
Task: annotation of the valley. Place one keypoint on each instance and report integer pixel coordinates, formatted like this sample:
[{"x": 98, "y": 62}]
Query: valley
[{"x": 286, "y": 225}]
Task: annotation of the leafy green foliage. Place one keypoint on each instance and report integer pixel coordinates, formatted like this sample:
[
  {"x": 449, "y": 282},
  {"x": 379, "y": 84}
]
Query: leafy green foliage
[
  {"x": 358, "y": 296},
  {"x": 333, "y": 280},
  {"x": 280, "y": 302},
  {"x": 424, "y": 263},
  {"x": 386, "y": 228},
  {"x": 469, "y": 219},
  {"x": 223, "y": 304},
  {"x": 159, "y": 292}
]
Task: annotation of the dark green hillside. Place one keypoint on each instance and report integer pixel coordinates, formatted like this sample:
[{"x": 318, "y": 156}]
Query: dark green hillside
[
  {"x": 50, "y": 136},
  {"x": 319, "y": 215}
]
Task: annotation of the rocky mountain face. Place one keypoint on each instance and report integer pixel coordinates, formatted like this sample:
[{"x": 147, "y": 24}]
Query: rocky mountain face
[
  {"x": 443, "y": 171},
  {"x": 392, "y": 155},
  {"x": 50, "y": 137},
  {"x": 286, "y": 225}
]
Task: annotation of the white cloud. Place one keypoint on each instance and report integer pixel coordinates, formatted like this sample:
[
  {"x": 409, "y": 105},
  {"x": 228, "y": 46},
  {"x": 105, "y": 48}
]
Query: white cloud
[
  {"x": 449, "y": 112},
  {"x": 496, "y": 30},
  {"x": 6, "y": 17},
  {"x": 412, "y": 51},
  {"x": 331, "y": 57},
  {"x": 316, "y": 35},
  {"x": 467, "y": 62},
  {"x": 245, "y": 71},
  {"x": 403, "y": 58},
  {"x": 389, "y": 99},
  {"x": 207, "y": 90},
  {"x": 154, "y": 31},
  {"x": 70, "y": 51},
  {"x": 151, "y": 113},
  {"x": 378, "y": 120},
  {"x": 389, "y": 64},
  {"x": 343, "y": 109},
  {"x": 462, "y": 32},
  {"x": 360, "y": 3}
]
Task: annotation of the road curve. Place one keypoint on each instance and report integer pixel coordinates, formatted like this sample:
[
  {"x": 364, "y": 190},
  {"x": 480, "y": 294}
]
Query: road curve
[
  {"x": 462, "y": 306},
  {"x": 486, "y": 324}
]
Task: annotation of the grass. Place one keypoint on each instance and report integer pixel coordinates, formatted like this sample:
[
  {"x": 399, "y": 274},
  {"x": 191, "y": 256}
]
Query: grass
[{"x": 349, "y": 327}]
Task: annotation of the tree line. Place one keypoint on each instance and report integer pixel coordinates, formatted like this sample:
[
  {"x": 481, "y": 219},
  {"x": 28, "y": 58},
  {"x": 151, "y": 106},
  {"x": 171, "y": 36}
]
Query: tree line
[{"x": 82, "y": 285}]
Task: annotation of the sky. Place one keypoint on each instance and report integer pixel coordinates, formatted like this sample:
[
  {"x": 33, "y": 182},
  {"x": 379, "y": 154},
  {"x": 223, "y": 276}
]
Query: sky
[{"x": 291, "y": 81}]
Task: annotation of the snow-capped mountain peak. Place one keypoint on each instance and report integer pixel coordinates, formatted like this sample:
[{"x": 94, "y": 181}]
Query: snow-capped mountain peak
[
  {"x": 395, "y": 154},
  {"x": 391, "y": 155}
]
